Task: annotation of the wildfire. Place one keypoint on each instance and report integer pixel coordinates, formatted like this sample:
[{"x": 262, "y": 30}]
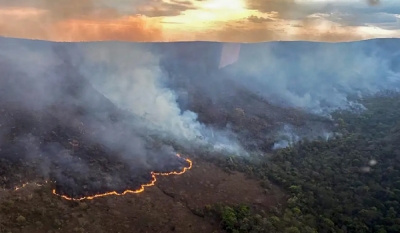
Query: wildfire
[
  {"x": 141, "y": 189},
  {"x": 27, "y": 183}
]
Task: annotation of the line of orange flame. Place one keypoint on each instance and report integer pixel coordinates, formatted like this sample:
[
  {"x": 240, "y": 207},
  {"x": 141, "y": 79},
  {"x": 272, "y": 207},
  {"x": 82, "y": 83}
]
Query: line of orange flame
[
  {"x": 141, "y": 189},
  {"x": 27, "y": 183}
]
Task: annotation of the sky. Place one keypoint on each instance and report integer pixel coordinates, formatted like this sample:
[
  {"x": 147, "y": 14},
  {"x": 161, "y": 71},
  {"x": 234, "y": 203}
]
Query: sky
[{"x": 207, "y": 20}]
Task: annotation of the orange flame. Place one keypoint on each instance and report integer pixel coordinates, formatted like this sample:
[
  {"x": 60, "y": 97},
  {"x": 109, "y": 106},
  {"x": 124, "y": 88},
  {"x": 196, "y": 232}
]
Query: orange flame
[
  {"x": 27, "y": 183},
  {"x": 141, "y": 189}
]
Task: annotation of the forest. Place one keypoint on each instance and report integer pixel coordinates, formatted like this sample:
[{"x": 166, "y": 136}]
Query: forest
[
  {"x": 349, "y": 183},
  {"x": 86, "y": 138}
]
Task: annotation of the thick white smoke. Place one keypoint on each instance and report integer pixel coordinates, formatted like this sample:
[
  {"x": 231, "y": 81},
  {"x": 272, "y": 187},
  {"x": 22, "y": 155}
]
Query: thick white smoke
[{"x": 131, "y": 77}]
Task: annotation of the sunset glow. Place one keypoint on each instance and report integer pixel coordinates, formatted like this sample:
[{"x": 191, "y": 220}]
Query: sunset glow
[{"x": 222, "y": 20}]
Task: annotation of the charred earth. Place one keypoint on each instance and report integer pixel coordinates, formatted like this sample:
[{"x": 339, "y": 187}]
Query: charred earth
[
  {"x": 70, "y": 143},
  {"x": 57, "y": 126}
]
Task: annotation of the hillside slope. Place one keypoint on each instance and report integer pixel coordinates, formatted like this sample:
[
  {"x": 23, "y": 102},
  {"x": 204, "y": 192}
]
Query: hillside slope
[{"x": 68, "y": 116}]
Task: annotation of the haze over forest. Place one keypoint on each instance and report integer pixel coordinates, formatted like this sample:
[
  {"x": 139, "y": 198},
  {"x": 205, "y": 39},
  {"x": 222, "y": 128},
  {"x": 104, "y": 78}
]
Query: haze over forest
[
  {"x": 308, "y": 131},
  {"x": 160, "y": 82}
]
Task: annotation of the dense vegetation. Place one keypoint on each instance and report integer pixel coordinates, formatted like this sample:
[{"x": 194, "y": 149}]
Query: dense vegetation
[{"x": 349, "y": 183}]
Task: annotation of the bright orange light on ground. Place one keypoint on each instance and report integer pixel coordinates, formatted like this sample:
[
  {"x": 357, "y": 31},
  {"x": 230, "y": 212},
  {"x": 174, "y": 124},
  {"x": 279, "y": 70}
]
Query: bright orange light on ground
[{"x": 141, "y": 189}]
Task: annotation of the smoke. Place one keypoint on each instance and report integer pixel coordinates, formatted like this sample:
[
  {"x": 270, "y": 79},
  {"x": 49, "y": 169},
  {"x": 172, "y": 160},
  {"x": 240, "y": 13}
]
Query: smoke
[
  {"x": 53, "y": 116},
  {"x": 318, "y": 78},
  {"x": 132, "y": 78},
  {"x": 295, "y": 83},
  {"x": 288, "y": 135},
  {"x": 116, "y": 103},
  {"x": 373, "y": 2},
  {"x": 129, "y": 75}
]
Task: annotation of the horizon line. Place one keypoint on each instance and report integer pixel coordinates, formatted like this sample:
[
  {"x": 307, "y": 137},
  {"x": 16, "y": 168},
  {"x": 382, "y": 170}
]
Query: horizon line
[{"x": 198, "y": 41}]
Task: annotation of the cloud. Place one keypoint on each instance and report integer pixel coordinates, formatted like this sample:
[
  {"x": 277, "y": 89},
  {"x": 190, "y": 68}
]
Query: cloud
[
  {"x": 296, "y": 10},
  {"x": 285, "y": 8},
  {"x": 379, "y": 19},
  {"x": 310, "y": 29},
  {"x": 75, "y": 20},
  {"x": 78, "y": 9},
  {"x": 62, "y": 9},
  {"x": 161, "y": 20},
  {"x": 256, "y": 19},
  {"x": 161, "y": 8},
  {"x": 328, "y": 20},
  {"x": 87, "y": 20},
  {"x": 132, "y": 28}
]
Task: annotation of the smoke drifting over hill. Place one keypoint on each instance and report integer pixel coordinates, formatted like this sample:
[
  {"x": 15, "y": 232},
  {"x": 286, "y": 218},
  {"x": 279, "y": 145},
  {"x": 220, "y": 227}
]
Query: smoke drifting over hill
[
  {"x": 79, "y": 139},
  {"x": 318, "y": 77},
  {"x": 132, "y": 78},
  {"x": 123, "y": 102}
]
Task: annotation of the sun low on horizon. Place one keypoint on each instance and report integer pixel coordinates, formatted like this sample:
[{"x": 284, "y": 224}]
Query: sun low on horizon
[{"x": 207, "y": 20}]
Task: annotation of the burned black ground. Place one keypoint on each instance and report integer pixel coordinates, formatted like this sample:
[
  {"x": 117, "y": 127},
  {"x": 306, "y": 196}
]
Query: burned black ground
[{"x": 62, "y": 142}]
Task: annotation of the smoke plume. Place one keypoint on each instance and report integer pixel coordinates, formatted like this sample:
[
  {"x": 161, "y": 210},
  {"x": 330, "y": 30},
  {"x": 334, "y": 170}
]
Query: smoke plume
[
  {"x": 108, "y": 112},
  {"x": 98, "y": 114},
  {"x": 317, "y": 77},
  {"x": 52, "y": 116},
  {"x": 132, "y": 78},
  {"x": 264, "y": 86}
]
